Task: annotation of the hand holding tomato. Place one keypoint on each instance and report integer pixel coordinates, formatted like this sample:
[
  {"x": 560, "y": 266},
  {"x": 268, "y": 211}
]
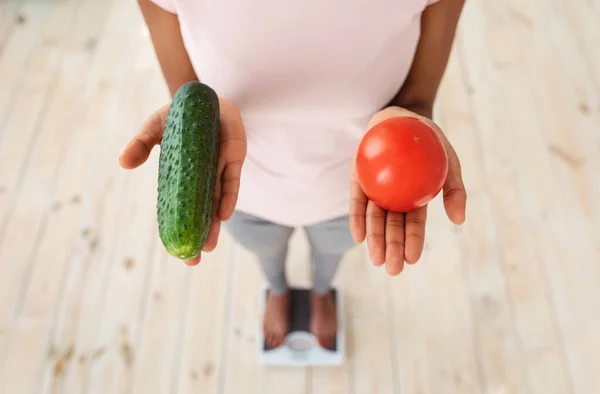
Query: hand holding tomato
[{"x": 403, "y": 161}]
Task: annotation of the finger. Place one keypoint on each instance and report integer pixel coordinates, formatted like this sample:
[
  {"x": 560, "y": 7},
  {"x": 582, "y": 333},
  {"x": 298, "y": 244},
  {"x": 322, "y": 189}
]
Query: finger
[
  {"x": 215, "y": 226},
  {"x": 358, "y": 209},
  {"x": 150, "y": 134},
  {"x": 455, "y": 195},
  {"x": 232, "y": 153},
  {"x": 394, "y": 243},
  {"x": 415, "y": 234},
  {"x": 192, "y": 262},
  {"x": 376, "y": 233},
  {"x": 213, "y": 236},
  {"x": 230, "y": 187}
]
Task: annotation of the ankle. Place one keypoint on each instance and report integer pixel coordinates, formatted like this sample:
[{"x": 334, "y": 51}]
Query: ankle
[
  {"x": 276, "y": 292},
  {"x": 320, "y": 293}
]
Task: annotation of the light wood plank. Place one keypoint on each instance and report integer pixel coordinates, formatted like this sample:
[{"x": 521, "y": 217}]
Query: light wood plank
[
  {"x": 128, "y": 277},
  {"x": 571, "y": 137},
  {"x": 206, "y": 321},
  {"x": 578, "y": 23},
  {"x": 531, "y": 306},
  {"x": 123, "y": 305},
  {"x": 445, "y": 325},
  {"x": 570, "y": 216},
  {"x": 498, "y": 349},
  {"x": 497, "y": 346},
  {"x": 453, "y": 113},
  {"x": 579, "y": 99},
  {"x": 528, "y": 288},
  {"x": 29, "y": 104},
  {"x": 241, "y": 372},
  {"x": 119, "y": 302},
  {"x": 18, "y": 47},
  {"x": 336, "y": 379},
  {"x": 10, "y": 17},
  {"x": 573, "y": 33},
  {"x": 16, "y": 375},
  {"x": 367, "y": 297},
  {"x": 567, "y": 241},
  {"x": 276, "y": 380},
  {"x": 21, "y": 212},
  {"x": 407, "y": 309},
  {"x": 73, "y": 244},
  {"x": 46, "y": 154},
  {"x": 370, "y": 344},
  {"x": 157, "y": 359}
]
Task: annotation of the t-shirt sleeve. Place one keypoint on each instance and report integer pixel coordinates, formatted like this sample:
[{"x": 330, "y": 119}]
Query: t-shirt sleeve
[{"x": 168, "y": 5}]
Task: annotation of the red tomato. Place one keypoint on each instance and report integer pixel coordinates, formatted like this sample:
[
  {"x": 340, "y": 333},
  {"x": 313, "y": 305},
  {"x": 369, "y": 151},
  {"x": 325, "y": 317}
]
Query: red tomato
[{"x": 401, "y": 164}]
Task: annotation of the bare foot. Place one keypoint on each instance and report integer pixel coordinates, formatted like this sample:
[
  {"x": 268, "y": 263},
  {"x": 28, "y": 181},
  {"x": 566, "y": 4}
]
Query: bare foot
[
  {"x": 276, "y": 319},
  {"x": 323, "y": 318}
]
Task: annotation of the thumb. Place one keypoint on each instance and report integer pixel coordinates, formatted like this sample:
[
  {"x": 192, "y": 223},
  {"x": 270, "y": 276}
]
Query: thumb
[
  {"x": 454, "y": 194},
  {"x": 150, "y": 134}
]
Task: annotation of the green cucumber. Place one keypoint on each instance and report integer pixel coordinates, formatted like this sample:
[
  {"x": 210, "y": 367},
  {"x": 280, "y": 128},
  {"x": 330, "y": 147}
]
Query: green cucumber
[{"x": 187, "y": 170}]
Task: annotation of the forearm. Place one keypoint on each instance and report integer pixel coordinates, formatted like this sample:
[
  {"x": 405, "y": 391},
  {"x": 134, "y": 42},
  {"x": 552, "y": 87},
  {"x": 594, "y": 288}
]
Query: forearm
[
  {"x": 438, "y": 29},
  {"x": 168, "y": 45}
]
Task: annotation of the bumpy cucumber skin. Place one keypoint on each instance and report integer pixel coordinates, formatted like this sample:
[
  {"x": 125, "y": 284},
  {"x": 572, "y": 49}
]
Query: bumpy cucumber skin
[{"x": 187, "y": 170}]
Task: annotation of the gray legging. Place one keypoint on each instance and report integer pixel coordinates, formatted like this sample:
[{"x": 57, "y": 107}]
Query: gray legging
[{"x": 328, "y": 240}]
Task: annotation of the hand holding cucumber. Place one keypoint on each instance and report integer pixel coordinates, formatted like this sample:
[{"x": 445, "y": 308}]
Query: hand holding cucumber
[
  {"x": 182, "y": 227},
  {"x": 401, "y": 164}
]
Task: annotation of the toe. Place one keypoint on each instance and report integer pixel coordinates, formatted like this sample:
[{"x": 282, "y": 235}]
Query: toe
[
  {"x": 276, "y": 340},
  {"x": 322, "y": 339}
]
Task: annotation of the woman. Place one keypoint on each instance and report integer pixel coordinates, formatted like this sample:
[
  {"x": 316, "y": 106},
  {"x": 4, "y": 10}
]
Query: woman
[{"x": 308, "y": 79}]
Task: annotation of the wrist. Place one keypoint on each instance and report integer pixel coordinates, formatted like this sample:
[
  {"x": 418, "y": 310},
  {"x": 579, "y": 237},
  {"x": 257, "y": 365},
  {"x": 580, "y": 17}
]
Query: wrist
[{"x": 422, "y": 109}]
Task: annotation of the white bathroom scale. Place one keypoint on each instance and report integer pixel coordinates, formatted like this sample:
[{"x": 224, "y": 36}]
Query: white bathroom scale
[{"x": 300, "y": 348}]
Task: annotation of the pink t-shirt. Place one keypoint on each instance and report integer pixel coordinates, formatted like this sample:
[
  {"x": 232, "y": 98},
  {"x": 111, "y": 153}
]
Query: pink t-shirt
[{"x": 306, "y": 76}]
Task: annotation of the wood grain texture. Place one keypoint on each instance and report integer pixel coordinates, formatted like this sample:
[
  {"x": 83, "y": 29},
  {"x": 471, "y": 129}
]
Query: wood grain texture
[{"x": 90, "y": 302}]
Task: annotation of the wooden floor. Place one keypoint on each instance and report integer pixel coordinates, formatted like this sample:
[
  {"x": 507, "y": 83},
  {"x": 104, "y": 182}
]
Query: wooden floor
[{"x": 90, "y": 302}]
